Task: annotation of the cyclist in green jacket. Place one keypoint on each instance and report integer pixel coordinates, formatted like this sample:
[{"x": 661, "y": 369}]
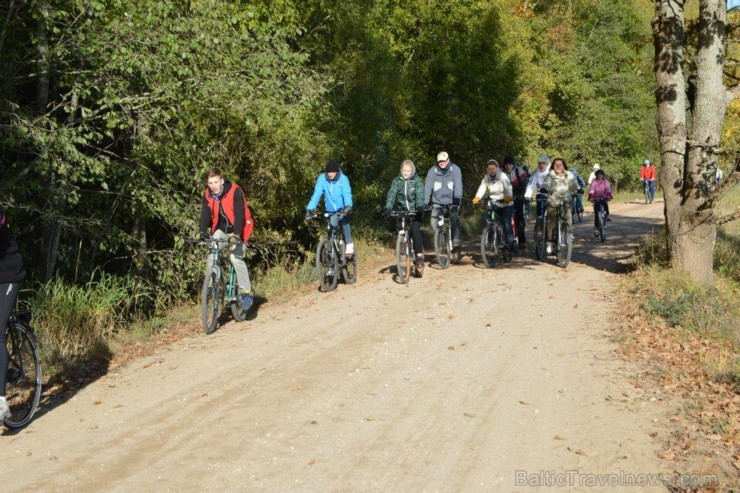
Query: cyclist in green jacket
[{"x": 407, "y": 194}]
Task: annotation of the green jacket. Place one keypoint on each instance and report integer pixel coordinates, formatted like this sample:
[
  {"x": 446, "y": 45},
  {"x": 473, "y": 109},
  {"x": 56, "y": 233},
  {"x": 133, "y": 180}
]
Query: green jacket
[{"x": 405, "y": 195}]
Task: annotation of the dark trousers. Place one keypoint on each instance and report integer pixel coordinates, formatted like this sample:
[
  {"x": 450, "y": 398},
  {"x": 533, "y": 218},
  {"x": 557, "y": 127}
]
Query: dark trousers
[
  {"x": 8, "y": 295},
  {"x": 519, "y": 205}
]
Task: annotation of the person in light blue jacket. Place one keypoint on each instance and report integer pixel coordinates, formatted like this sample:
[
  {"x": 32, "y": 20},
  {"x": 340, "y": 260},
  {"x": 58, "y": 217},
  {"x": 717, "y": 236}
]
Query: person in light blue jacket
[{"x": 334, "y": 186}]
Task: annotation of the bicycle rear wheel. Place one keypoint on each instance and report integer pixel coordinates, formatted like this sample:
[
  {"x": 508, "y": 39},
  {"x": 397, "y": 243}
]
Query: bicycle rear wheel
[
  {"x": 540, "y": 246},
  {"x": 23, "y": 389},
  {"x": 500, "y": 241},
  {"x": 489, "y": 246},
  {"x": 210, "y": 302},
  {"x": 327, "y": 266},
  {"x": 565, "y": 244},
  {"x": 349, "y": 271},
  {"x": 403, "y": 259},
  {"x": 239, "y": 313},
  {"x": 442, "y": 246}
]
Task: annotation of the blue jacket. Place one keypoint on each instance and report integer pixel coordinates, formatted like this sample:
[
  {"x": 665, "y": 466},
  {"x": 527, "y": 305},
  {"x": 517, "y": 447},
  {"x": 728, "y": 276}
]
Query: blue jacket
[{"x": 337, "y": 193}]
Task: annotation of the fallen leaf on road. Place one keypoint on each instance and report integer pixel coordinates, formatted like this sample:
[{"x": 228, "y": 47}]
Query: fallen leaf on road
[
  {"x": 312, "y": 462},
  {"x": 559, "y": 437},
  {"x": 524, "y": 403}
]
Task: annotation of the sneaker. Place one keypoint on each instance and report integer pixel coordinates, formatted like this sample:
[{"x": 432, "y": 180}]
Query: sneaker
[
  {"x": 596, "y": 233},
  {"x": 455, "y": 243},
  {"x": 608, "y": 218},
  {"x": 247, "y": 301},
  {"x": 4, "y": 409},
  {"x": 349, "y": 250},
  {"x": 420, "y": 266},
  {"x": 550, "y": 248}
]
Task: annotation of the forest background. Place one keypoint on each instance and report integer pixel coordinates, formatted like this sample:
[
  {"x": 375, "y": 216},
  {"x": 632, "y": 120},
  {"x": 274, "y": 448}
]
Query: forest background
[{"x": 111, "y": 111}]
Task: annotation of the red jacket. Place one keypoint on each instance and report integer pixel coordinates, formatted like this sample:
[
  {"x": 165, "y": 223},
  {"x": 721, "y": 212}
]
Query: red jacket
[
  {"x": 231, "y": 200},
  {"x": 647, "y": 173}
]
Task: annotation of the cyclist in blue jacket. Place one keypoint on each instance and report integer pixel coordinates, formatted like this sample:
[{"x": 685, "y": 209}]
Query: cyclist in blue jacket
[{"x": 334, "y": 186}]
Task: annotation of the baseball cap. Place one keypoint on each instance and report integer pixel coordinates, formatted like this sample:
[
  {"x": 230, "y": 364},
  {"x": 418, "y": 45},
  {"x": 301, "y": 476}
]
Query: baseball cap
[{"x": 442, "y": 156}]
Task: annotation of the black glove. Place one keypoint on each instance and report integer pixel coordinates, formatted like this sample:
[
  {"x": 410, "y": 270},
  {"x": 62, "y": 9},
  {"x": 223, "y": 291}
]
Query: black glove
[
  {"x": 309, "y": 215},
  {"x": 347, "y": 211},
  {"x": 580, "y": 191},
  {"x": 420, "y": 210},
  {"x": 387, "y": 212},
  {"x": 543, "y": 190}
]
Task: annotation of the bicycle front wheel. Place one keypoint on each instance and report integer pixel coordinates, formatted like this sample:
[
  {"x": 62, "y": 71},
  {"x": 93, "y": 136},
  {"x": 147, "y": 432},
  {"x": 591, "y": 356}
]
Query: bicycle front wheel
[
  {"x": 210, "y": 302},
  {"x": 23, "y": 390},
  {"x": 565, "y": 244},
  {"x": 403, "y": 260},
  {"x": 442, "y": 246},
  {"x": 489, "y": 246},
  {"x": 327, "y": 266},
  {"x": 540, "y": 247},
  {"x": 602, "y": 225}
]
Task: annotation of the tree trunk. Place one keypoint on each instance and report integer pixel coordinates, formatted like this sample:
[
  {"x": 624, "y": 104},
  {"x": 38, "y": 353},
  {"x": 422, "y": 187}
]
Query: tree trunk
[{"x": 689, "y": 164}]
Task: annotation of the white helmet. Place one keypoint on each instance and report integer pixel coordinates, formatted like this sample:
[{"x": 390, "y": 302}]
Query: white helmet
[{"x": 596, "y": 166}]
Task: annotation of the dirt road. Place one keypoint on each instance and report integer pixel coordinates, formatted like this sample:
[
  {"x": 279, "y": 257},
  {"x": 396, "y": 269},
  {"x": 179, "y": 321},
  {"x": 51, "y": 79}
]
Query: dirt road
[{"x": 467, "y": 380}]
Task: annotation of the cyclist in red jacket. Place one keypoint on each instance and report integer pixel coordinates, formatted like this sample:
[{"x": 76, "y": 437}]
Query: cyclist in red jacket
[
  {"x": 225, "y": 213},
  {"x": 647, "y": 174}
]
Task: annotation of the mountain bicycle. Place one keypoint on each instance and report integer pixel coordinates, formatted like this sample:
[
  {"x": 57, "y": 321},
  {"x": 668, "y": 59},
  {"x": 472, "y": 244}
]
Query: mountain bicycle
[
  {"x": 405, "y": 254},
  {"x": 331, "y": 258},
  {"x": 646, "y": 192},
  {"x": 443, "y": 239},
  {"x": 23, "y": 386},
  {"x": 214, "y": 292},
  {"x": 492, "y": 238},
  {"x": 601, "y": 220}
]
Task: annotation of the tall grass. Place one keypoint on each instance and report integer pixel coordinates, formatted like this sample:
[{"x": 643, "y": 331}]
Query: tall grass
[{"x": 76, "y": 323}]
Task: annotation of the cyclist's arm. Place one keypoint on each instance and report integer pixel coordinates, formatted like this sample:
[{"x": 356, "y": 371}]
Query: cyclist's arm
[
  {"x": 508, "y": 189},
  {"x": 318, "y": 190},
  {"x": 392, "y": 192},
  {"x": 346, "y": 192},
  {"x": 419, "y": 193},
  {"x": 481, "y": 189},
  {"x": 428, "y": 186},
  {"x": 238, "y": 211},
  {"x": 457, "y": 185}
]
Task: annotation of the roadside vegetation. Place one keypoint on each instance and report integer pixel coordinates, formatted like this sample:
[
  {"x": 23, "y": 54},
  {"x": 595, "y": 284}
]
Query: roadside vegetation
[{"x": 688, "y": 339}]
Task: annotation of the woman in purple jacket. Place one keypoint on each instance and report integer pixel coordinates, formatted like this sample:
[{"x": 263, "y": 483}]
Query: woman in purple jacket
[{"x": 12, "y": 272}]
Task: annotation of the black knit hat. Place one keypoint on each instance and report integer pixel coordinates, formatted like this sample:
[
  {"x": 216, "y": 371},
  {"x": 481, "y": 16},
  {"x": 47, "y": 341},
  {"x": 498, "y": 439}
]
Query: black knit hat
[
  {"x": 509, "y": 160},
  {"x": 332, "y": 167}
]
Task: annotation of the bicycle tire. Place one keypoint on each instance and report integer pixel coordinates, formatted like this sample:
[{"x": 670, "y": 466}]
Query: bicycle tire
[
  {"x": 565, "y": 244},
  {"x": 327, "y": 266},
  {"x": 540, "y": 246},
  {"x": 403, "y": 260},
  {"x": 488, "y": 246},
  {"x": 210, "y": 301},
  {"x": 239, "y": 313},
  {"x": 442, "y": 247},
  {"x": 23, "y": 390},
  {"x": 602, "y": 225}
]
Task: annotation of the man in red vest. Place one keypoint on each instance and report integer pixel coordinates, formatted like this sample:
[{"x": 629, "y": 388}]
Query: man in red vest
[{"x": 225, "y": 213}]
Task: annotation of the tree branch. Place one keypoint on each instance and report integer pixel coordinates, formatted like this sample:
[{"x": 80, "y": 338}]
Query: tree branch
[{"x": 728, "y": 218}]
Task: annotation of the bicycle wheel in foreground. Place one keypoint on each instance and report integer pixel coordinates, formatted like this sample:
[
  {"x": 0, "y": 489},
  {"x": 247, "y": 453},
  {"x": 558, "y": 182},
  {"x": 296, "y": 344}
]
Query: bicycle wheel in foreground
[
  {"x": 488, "y": 246},
  {"x": 565, "y": 244},
  {"x": 209, "y": 302},
  {"x": 442, "y": 247},
  {"x": 403, "y": 260},
  {"x": 602, "y": 225},
  {"x": 327, "y": 266},
  {"x": 24, "y": 376}
]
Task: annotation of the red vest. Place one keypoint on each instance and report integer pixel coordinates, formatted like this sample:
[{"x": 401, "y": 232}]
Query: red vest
[{"x": 227, "y": 204}]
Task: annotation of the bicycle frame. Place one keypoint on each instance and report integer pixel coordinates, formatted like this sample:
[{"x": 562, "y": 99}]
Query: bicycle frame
[{"x": 215, "y": 248}]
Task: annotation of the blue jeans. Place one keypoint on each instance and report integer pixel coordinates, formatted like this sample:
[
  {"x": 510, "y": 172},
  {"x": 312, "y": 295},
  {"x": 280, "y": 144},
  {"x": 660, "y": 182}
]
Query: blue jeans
[
  {"x": 344, "y": 224},
  {"x": 505, "y": 213}
]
